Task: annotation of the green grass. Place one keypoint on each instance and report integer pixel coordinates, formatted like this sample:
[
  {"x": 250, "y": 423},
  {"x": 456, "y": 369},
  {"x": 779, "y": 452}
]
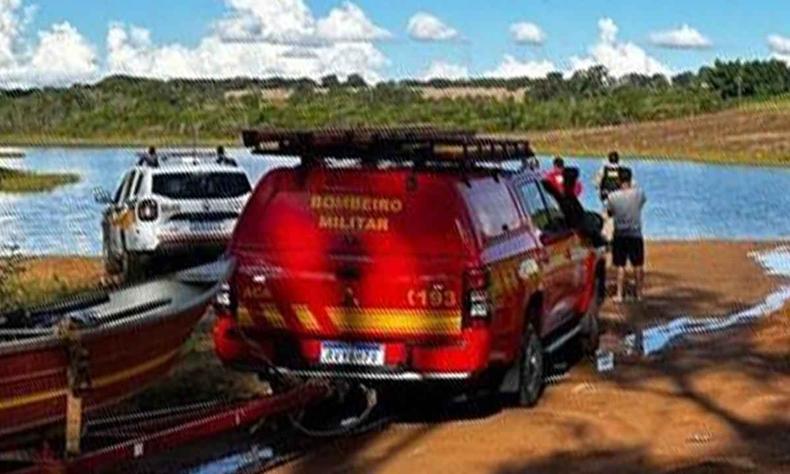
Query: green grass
[
  {"x": 119, "y": 140},
  {"x": 780, "y": 102},
  {"x": 16, "y": 181}
]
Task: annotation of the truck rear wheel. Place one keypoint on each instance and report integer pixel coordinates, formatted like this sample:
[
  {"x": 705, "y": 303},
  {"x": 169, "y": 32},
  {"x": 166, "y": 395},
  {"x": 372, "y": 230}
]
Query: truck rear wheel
[
  {"x": 133, "y": 267},
  {"x": 530, "y": 385}
]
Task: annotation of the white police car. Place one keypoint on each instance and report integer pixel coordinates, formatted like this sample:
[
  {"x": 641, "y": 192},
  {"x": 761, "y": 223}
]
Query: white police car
[{"x": 172, "y": 207}]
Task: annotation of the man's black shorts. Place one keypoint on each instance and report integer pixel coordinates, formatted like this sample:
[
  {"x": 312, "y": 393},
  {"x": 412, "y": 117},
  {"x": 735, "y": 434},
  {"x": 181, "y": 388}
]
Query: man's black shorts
[{"x": 628, "y": 248}]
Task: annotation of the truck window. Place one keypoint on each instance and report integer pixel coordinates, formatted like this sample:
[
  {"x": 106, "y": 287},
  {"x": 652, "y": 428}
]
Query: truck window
[
  {"x": 127, "y": 191},
  {"x": 493, "y": 207},
  {"x": 121, "y": 191},
  {"x": 543, "y": 209},
  {"x": 137, "y": 185},
  {"x": 201, "y": 185}
]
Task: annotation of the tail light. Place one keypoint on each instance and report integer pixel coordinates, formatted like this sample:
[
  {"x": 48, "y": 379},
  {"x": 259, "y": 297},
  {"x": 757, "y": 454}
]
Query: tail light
[
  {"x": 477, "y": 302},
  {"x": 148, "y": 210}
]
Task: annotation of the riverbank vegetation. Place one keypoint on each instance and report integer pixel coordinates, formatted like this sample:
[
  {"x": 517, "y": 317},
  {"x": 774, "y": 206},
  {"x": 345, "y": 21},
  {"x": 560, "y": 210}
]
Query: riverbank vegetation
[
  {"x": 32, "y": 281},
  {"x": 19, "y": 181},
  {"x": 124, "y": 110}
]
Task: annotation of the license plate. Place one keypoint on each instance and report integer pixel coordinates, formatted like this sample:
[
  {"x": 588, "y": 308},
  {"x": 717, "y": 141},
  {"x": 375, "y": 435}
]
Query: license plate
[
  {"x": 352, "y": 354},
  {"x": 205, "y": 226}
]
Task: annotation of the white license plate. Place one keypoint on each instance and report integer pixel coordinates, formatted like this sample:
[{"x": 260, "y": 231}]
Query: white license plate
[
  {"x": 205, "y": 226},
  {"x": 352, "y": 354}
]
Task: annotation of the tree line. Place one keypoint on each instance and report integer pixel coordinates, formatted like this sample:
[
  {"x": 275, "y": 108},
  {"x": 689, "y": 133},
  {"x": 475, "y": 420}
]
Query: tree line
[{"x": 139, "y": 110}]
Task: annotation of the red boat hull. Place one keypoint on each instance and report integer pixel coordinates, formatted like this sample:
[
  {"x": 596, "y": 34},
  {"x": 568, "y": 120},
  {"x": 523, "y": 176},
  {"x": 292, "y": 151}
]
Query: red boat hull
[{"x": 34, "y": 381}]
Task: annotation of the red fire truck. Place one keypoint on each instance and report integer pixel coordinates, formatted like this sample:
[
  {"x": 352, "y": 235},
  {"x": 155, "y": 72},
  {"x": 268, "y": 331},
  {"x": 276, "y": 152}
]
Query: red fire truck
[{"x": 408, "y": 255}]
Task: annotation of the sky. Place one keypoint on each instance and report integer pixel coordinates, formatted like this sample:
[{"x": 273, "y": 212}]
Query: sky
[{"x": 62, "y": 42}]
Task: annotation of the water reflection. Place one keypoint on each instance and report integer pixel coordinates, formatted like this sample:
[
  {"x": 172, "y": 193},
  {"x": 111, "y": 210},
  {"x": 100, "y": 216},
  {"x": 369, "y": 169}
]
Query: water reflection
[
  {"x": 685, "y": 200},
  {"x": 775, "y": 262}
]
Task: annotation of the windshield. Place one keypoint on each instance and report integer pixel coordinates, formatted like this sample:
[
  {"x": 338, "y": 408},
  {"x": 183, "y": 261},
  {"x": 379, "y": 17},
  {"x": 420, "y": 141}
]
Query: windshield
[{"x": 201, "y": 185}]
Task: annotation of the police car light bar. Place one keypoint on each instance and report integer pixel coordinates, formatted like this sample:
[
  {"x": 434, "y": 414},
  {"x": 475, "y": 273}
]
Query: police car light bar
[{"x": 416, "y": 144}]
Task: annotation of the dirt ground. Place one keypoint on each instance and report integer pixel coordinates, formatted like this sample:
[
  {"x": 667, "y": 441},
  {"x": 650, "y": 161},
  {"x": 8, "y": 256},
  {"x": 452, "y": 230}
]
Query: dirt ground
[
  {"x": 715, "y": 404},
  {"x": 719, "y": 403}
]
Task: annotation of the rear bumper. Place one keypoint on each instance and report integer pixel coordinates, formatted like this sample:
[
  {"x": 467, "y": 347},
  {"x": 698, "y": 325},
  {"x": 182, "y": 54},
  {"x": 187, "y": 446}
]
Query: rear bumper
[
  {"x": 185, "y": 246},
  {"x": 452, "y": 360},
  {"x": 153, "y": 241}
]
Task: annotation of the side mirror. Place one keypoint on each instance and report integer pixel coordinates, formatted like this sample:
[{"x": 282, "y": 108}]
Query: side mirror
[{"x": 102, "y": 196}]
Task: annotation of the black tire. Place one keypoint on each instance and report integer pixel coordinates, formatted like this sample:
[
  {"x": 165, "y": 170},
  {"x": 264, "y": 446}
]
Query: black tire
[
  {"x": 132, "y": 267},
  {"x": 531, "y": 368},
  {"x": 112, "y": 266},
  {"x": 590, "y": 336}
]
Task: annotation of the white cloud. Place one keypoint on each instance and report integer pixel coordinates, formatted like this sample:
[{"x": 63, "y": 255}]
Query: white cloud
[
  {"x": 60, "y": 56},
  {"x": 258, "y": 39},
  {"x": 130, "y": 51},
  {"x": 445, "y": 70},
  {"x": 276, "y": 21},
  {"x": 684, "y": 37},
  {"x": 291, "y": 22},
  {"x": 426, "y": 27},
  {"x": 349, "y": 23},
  {"x": 780, "y": 46},
  {"x": 527, "y": 33},
  {"x": 618, "y": 57},
  {"x": 13, "y": 21},
  {"x": 512, "y": 67},
  {"x": 607, "y": 29}
]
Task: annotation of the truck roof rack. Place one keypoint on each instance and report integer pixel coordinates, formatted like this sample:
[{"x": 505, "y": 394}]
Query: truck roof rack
[
  {"x": 414, "y": 144},
  {"x": 154, "y": 158}
]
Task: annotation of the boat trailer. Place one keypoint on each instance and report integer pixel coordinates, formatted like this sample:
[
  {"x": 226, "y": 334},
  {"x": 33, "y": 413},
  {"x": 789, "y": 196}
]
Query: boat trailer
[{"x": 127, "y": 438}]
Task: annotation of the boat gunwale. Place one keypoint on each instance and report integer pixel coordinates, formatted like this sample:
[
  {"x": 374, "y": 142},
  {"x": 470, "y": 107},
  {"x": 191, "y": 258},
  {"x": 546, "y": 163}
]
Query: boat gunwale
[{"x": 49, "y": 338}]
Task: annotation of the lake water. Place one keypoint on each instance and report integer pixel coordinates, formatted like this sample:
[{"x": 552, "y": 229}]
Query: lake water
[{"x": 685, "y": 200}]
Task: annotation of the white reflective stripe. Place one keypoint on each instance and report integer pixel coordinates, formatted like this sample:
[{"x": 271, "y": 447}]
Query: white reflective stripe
[{"x": 394, "y": 376}]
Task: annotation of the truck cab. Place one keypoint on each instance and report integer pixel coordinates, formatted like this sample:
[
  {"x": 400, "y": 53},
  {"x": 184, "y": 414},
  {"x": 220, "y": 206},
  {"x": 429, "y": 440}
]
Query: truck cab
[{"x": 457, "y": 265}]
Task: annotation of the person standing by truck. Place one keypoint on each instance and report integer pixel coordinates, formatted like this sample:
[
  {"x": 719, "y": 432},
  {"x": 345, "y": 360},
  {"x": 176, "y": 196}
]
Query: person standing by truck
[
  {"x": 556, "y": 175},
  {"x": 625, "y": 206},
  {"x": 606, "y": 181}
]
